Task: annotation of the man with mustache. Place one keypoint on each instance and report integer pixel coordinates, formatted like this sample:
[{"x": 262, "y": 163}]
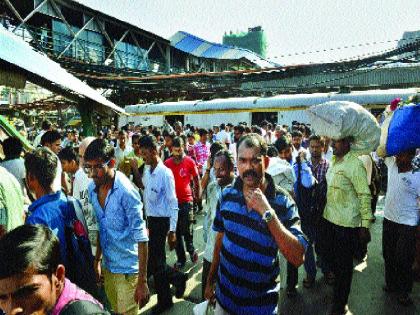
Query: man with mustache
[{"x": 254, "y": 219}]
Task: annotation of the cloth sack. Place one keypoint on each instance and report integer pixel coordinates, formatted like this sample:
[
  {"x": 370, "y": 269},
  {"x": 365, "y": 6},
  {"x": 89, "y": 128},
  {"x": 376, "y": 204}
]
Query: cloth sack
[
  {"x": 400, "y": 131},
  {"x": 340, "y": 119}
]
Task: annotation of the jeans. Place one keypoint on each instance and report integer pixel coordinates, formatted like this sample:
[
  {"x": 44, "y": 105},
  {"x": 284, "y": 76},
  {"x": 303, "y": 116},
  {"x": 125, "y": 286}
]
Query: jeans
[{"x": 184, "y": 232}]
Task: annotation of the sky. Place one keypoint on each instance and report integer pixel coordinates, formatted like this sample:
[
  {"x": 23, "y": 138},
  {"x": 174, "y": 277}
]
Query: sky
[{"x": 291, "y": 26}]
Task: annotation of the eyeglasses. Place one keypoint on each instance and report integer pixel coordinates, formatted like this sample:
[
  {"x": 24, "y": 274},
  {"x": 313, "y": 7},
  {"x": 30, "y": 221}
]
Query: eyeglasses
[{"x": 88, "y": 169}]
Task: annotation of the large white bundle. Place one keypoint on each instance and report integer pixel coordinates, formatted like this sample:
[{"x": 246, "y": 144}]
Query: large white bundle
[{"x": 340, "y": 119}]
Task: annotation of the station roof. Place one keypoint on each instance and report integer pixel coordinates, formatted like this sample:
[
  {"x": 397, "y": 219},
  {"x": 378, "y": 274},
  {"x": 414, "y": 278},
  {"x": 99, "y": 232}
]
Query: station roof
[
  {"x": 204, "y": 49},
  {"x": 17, "y": 56}
]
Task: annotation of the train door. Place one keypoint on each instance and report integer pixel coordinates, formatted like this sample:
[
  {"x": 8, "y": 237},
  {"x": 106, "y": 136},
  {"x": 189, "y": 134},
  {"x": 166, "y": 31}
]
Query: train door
[
  {"x": 258, "y": 118},
  {"x": 172, "y": 119}
]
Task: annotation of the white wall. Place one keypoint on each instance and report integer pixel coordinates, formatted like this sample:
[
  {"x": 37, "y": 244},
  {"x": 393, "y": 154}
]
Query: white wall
[
  {"x": 209, "y": 120},
  {"x": 140, "y": 120},
  {"x": 286, "y": 117}
]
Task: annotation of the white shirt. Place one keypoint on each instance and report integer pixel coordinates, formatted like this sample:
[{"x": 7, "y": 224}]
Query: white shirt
[
  {"x": 367, "y": 163},
  {"x": 17, "y": 168},
  {"x": 159, "y": 194},
  {"x": 223, "y": 137},
  {"x": 80, "y": 192},
  {"x": 214, "y": 192},
  {"x": 37, "y": 140},
  {"x": 121, "y": 154},
  {"x": 282, "y": 173},
  {"x": 56, "y": 186},
  {"x": 402, "y": 200}
]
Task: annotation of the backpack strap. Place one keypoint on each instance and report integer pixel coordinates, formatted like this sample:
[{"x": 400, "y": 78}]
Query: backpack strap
[
  {"x": 81, "y": 307},
  {"x": 76, "y": 206}
]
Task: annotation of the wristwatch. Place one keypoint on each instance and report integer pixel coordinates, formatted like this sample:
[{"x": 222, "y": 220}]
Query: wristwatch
[{"x": 268, "y": 215}]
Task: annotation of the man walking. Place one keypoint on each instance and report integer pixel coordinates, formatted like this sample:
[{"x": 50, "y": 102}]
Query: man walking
[
  {"x": 251, "y": 220},
  {"x": 184, "y": 169},
  {"x": 122, "y": 231},
  {"x": 402, "y": 214},
  {"x": 162, "y": 215},
  {"x": 346, "y": 220}
]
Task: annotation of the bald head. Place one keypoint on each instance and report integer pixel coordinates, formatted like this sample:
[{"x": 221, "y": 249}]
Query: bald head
[{"x": 82, "y": 147}]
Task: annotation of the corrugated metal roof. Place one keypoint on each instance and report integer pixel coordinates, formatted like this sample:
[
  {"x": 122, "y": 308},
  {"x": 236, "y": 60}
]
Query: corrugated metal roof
[
  {"x": 201, "y": 48},
  {"x": 15, "y": 51}
]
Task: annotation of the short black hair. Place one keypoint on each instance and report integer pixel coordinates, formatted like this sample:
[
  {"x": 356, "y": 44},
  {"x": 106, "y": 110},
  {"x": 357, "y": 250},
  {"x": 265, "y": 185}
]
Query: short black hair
[
  {"x": 239, "y": 128},
  {"x": 178, "y": 142},
  {"x": 202, "y": 132},
  {"x": 134, "y": 137},
  {"x": 216, "y": 147},
  {"x": 228, "y": 155},
  {"x": 29, "y": 246},
  {"x": 297, "y": 133},
  {"x": 317, "y": 138},
  {"x": 46, "y": 125},
  {"x": 50, "y": 136},
  {"x": 99, "y": 149},
  {"x": 282, "y": 143},
  {"x": 12, "y": 148},
  {"x": 190, "y": 134},
  {"x": 253, "y": 140},
  {"x": 148, "y": 142},
  {"x": 69, "y": 154},
  {"x": 42, "y": 164},
  {"x": 272, "y": 151}
]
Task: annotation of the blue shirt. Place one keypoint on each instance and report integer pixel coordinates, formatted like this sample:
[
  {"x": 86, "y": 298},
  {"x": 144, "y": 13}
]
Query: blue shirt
[
  {"x": 121, "y": 225},
  {"x": 53, "y": 211},
  {"x": 249, "y": 266}
]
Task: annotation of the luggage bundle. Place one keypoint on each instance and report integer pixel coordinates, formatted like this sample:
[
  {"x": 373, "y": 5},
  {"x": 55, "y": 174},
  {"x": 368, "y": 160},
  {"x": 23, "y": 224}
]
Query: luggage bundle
[
  {"x": 341, "y": 119},
  {"x": 400, "y": 131}
]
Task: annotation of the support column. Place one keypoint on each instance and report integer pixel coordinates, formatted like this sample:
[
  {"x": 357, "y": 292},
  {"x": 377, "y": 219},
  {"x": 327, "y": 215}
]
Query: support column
[
  {"x": 86, "y": 114},
  {"x": 168, "y": 58}
]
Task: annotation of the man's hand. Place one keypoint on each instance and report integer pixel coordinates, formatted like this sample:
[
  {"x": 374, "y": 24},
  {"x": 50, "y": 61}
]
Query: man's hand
[
  {"x": 142, "y": 294},
  {"x": 171, "y": 240},
  {"x": 302, "y": 156},
  {"x": 256, "y": 200},
  {"x": 98, "y": 270},
  {"x": 133, "y": 164},
  {"x": 210, "y": 292},
  {"x": 364, "y": 235}
]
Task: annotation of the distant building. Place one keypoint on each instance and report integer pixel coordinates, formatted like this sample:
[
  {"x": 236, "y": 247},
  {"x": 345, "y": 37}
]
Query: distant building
[{"x": 254, "y": 40}]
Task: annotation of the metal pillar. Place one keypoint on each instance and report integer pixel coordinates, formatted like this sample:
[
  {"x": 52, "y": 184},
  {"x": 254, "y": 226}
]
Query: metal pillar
[{"x": 86, "y": 114}]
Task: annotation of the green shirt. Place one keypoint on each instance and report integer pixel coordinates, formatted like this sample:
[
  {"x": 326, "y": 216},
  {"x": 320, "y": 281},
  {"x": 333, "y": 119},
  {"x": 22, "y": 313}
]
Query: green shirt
[
  {"x": 11, "y": 201},
  {"x": 348, "y": 195}
]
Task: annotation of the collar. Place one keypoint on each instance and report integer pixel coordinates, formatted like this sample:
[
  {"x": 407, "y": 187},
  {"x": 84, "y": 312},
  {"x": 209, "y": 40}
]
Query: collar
[
  {"x": 270, "y": 191},
  {"x": 158, "y": 166},
  {"x": 346, "y": 157},
  {"x": 45, "y": 199}
]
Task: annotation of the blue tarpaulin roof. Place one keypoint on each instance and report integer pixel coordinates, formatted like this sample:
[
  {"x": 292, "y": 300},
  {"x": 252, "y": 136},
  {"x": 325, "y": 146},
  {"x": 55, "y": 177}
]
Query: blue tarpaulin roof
[{"x": 201, "y": 48}]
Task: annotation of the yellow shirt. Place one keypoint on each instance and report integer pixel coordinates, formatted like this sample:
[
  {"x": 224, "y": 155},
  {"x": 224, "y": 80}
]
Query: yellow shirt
[{"x": 348, "y": 194}]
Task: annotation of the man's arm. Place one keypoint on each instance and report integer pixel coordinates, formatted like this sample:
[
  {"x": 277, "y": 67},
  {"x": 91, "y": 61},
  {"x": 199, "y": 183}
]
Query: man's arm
[
  {"x": 142, "y": 294},
  {"x": 289, "y": 244},
  {"x": 211, "y": 278},
  {"x": 358, "y": 178}
]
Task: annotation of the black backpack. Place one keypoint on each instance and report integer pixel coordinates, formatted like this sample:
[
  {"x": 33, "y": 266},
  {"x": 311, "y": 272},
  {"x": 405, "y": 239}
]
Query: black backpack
[{"x": 79, "y": 264}]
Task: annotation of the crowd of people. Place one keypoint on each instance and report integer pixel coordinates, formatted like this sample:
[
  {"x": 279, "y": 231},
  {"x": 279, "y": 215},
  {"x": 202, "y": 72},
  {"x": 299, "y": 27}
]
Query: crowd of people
[{"x": 273, "y": 197}]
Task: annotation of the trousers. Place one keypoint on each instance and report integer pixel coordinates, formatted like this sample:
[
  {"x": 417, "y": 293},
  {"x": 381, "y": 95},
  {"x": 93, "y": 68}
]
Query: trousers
[{"x": 184, "y": 232}]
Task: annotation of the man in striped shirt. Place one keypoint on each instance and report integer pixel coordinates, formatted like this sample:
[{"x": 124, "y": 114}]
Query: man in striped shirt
[{"x": 254, "y": 219}]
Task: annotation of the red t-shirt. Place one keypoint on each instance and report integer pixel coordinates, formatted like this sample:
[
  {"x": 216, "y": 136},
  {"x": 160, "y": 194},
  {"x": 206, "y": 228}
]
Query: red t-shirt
[{"x": 183, "y": 173}]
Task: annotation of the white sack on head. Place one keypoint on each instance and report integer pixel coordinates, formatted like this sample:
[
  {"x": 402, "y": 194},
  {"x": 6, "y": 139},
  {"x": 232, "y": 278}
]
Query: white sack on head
[{"x": 340, "y": 119}]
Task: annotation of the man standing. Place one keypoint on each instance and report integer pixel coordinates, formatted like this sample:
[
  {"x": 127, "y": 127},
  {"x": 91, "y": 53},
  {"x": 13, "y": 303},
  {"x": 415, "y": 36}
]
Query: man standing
[
  {"x": 184, "y": 170},
  {"x": 223, "y": 169},
  {"x": 202, "y": 150},
  {"x": 223, "y": 136},
  {"x": 52, "y": 140},
  {"x": 122, "y": 150},
  {"x": 50, "y": 207},
  {"x": 297, "y": 138},
  {"x": 122, "y": 231},
  {"x": 319, "y": 166},
  {"x": 251, "y": 220},
  {"x": 46, "y": 126},
  {"x": 11, "y": 202},
  {"x": 346, "y": 216},
  {"x": 80, "y": 192},
  {"x": 402, "y": 214},
  {"x": 162, "y": 215}
]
